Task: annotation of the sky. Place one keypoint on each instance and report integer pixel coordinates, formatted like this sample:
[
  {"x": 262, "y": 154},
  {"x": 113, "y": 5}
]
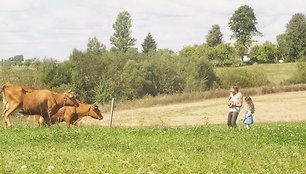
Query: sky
[{"x": 44, "y": 28}]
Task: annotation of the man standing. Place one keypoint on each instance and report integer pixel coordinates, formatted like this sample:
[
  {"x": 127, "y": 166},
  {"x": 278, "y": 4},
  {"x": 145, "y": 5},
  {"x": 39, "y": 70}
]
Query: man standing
[{"x": 234, "y": 102}]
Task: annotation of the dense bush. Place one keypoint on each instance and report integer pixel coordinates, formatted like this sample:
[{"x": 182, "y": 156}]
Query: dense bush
[
  {"x": 265, "y": 53},
  {"x": 299, "y": 76},
  {"x": 220, "y": 55},
  {"x": 242, "y": 77}
]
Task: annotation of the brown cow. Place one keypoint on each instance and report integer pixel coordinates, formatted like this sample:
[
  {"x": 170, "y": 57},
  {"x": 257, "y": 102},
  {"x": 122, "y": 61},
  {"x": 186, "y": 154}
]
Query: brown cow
[
  {"x": 32, "y": 101},
  {"x": 72, "y": 115}
]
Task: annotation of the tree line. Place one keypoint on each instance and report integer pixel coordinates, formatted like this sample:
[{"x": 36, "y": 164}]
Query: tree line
[{"x": 98, "y": 74}]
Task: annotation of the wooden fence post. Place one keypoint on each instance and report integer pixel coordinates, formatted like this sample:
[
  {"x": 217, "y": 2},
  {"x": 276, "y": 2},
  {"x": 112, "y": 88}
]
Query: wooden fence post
[{"x": 111, "y": 113}]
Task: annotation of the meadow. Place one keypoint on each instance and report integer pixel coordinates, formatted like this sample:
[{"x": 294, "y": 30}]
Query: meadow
[
  {"x": 182, "y": 133},
  {"x": 276, "y": 73},
  {"x": 267, "y": 148}
]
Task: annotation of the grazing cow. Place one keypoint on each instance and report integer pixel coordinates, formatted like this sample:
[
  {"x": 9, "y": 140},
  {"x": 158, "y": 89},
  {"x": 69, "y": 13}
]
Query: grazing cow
[
  {"x": 72, "y": 115},
  {"x": 32, "y": 101}
]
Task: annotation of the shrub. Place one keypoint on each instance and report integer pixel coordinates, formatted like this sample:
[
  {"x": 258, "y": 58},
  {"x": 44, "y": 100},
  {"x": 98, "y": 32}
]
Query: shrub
[
  {"x": 242, "y": 77},
  {"x": 265, "y": 53},
  {"x": 299, "y": 77}
]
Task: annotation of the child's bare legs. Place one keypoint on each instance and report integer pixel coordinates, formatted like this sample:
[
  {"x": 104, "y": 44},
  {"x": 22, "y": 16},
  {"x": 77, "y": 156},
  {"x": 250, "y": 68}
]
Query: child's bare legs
[{"x": 247, "y": 126}]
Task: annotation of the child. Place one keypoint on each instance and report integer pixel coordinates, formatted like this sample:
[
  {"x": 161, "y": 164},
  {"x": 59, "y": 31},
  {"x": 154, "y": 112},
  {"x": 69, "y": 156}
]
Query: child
[{"x": 249, "y": 110}]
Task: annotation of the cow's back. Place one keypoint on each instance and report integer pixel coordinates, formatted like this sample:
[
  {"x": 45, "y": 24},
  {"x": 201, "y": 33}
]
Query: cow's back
[{"x": 12, "y": 93}]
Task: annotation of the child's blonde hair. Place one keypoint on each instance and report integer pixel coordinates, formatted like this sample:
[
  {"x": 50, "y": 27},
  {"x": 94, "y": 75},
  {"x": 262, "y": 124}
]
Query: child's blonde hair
[{"x": 249, "y": 101}]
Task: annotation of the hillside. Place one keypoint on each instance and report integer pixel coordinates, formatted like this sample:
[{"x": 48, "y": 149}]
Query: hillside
[{"x": 276, "y": 73}]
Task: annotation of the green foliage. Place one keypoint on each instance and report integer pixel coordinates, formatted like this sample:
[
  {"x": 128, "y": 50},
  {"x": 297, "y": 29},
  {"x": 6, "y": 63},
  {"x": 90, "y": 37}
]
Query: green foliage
[
  {"x": 133, "y": 80},
  {"x": 268, "y": 148},
  {"x": 199, "y": 75},
  {"x": 95, "y": 47},
  {"x": 165, "y": 72},
  {"x": 242, "y": 77},
  {"x": 86, "y": 73},
  {"x": 53, "y": 74},
  {"x": 243, "y": 25},
  {"x": 226, "y": 55},
  {"x": 149, "y": 44},
  {"x": 205, "y": 73},
  {"x": 105, "y": 91},
  {"x": 292, "y": 42},
  {"x": 214, "y": 36},
  {"x": 283, "y": 47},
  {"x": 299, "y": 77},
  {"x": 220, "y": 55},
  {"x": 121, "y": 38},
  {"x": 241, "y": 50},
  {"x": 265, "y": 53}
]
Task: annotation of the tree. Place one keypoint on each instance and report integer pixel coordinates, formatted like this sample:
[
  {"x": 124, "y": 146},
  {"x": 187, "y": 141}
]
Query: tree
[
  {"x": 134, "y": 81},
  {"x": 225, "y": 55},
  {"x": 94, "y": 46},
  {"x": 53, "y": 74},
  {"x": 121, "y": 38},
  {"x": 149, "y": 44},
  {"x": 283, "y": 47},
  {"x": 292, "y": 42},
  {"x": 243, "y": 25},
  {"x": 265, "y": 53},
  {"x": 205, "y": 73},
  {"x": 87, "y": 70},
  {"x": 214, "y": 36}
]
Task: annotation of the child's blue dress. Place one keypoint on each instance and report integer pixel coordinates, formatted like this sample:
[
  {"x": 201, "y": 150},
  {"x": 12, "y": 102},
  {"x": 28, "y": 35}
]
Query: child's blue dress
[{"x": 248, "y": 117}]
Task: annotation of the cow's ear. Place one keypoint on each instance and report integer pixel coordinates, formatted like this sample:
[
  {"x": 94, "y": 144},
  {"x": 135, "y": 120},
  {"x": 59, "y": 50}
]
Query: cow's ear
[{"x": 69, "y": 91}]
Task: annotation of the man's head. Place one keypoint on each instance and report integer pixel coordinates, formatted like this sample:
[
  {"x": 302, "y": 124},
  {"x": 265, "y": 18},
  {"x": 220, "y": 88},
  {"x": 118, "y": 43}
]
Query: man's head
[{"x": 234, "y": 89}]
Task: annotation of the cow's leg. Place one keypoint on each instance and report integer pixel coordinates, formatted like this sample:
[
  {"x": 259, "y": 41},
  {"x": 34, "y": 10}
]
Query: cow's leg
[
  {"x": 26, "y": 124},
  {"x": 67, "y": 122},
  {"x": 47, "y": 121},
  {"x": 41, "y": 121},
  {"x": 76, "y": 123},
  {"x": 6, "y": 115},
  {"x": 46, "y": 118},
  {"x": 5, "y": 108}
]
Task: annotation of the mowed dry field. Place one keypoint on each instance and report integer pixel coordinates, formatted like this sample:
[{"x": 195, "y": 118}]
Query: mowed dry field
[{"x": 280, "y": 107}]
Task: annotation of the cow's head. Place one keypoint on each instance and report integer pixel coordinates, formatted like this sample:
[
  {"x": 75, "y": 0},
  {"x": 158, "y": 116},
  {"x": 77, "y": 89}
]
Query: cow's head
[
  {"x": 69, "y": 99},
  {"x": 95, "y": 112}
]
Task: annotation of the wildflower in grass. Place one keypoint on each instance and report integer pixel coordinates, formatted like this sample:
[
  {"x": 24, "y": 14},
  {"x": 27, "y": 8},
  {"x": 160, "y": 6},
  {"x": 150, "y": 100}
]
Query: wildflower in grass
[
  {"x": 51, "y": 167},
  {"x": 24, "y": 167},
  {"x": 154, "y": 165}
]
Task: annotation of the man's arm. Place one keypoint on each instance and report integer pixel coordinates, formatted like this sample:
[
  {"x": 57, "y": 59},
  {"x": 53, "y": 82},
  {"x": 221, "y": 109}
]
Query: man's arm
[{"x": 229, "y": 102}]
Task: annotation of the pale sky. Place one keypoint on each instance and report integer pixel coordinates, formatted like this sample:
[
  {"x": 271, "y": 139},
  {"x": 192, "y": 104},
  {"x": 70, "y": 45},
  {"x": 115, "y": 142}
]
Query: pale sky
[{"x": 52, "y": 28}]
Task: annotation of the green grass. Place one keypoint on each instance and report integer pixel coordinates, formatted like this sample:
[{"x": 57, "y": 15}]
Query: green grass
[
  {"x": 268, "y": 148},
  {"x": 276, "y": 73}
]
